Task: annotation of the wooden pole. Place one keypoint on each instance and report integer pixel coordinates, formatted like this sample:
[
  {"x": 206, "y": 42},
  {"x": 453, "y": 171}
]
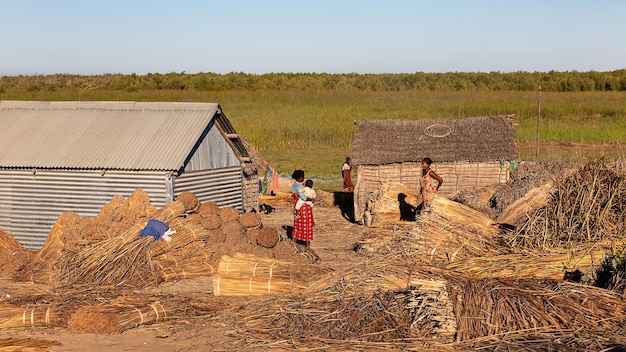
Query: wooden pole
[{"x": 538, "y": 119}]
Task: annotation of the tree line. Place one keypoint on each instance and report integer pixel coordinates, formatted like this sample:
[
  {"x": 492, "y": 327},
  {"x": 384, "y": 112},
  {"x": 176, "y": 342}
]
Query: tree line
[{"x": 568, "y": 81}]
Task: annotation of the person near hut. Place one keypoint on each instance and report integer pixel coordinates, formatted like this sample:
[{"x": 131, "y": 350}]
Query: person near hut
[
  {"x": 348, "y": 186},
  {"x": 428, "y": 188},
  {"x": 303, "y": 221}
]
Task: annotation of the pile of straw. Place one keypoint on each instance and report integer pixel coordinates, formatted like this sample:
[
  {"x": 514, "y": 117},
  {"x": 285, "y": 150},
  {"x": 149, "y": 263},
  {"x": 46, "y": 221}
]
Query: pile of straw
[
  {"x": 12, "y": 255},
  {"x": 587, "y": 206},
  {"x": 493, "y": 307}
]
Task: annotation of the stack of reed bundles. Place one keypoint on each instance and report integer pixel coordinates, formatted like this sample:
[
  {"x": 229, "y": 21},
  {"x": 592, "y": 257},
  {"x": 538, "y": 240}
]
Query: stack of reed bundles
[
  {"x": 247, "y": 275},
  {"x": 112, "y": 319},
  {"x": 451, "y": 231},
  {"x": 123, "y": 259},
  {"x": 12, "y": 316},
  {"x": 588, "y": 205}
]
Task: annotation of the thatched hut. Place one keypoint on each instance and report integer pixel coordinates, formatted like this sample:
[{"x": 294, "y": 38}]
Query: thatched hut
[{"x": 468, "y": 153}]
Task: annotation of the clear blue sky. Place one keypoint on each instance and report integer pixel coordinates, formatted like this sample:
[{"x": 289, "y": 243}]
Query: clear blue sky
[{"x": 91, "y": 37}]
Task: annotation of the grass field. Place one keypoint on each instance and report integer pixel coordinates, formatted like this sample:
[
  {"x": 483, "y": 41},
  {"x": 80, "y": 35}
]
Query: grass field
[{"x": 313, "y": 130}]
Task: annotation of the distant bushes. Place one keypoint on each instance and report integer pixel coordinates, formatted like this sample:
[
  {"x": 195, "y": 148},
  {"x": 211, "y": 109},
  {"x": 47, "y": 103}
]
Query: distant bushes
[{"x": 553, "y": 81}]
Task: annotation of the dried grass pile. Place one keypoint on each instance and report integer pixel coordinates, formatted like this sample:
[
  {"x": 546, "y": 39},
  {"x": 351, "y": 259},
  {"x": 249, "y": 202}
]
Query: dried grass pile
[
  {"x": 73, "y": 233},
  {"x": 123, "y": 259},
  {"x": 494, "y": 307},
  {"x": 378, "y": 306},
  {"x": 587, "y": 206},
  {"x": 12, "y": 255}
]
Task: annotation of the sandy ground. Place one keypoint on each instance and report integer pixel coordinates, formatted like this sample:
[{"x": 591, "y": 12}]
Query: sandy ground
[{"x": 334, "y": 238}]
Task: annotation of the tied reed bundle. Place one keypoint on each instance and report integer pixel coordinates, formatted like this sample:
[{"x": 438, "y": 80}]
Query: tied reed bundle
[
  {"x": 446, "y": 211},
  {"x": 517, "y": 213},
  {"x": 26, "y": 345},
  {"x": 183, "y": 237},
  {"x": 185, "y": 271},
  {"x": 519, "y": 266},
  {"x": 111, "y": 319},
  {"x": 242, "y": 275},
  {"x": 34, "y": 316}
]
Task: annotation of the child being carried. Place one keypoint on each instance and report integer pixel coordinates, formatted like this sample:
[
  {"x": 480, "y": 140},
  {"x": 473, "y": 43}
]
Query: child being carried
[{"x": 306, "y": 195}]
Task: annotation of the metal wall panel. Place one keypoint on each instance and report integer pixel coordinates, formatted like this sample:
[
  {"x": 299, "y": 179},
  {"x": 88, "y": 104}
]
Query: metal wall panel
[
  {"x": 212, "y": 153},
  {"x": 30, "y": 203},
  {"x": 223, "y": 186}
]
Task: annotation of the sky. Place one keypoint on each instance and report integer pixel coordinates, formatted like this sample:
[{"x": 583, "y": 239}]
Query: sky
[{"x": 93, "y": 37}]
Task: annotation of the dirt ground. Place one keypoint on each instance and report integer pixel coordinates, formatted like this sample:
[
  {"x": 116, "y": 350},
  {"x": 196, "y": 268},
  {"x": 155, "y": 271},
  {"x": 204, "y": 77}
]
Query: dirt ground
[{"x": 334, "y": 238}]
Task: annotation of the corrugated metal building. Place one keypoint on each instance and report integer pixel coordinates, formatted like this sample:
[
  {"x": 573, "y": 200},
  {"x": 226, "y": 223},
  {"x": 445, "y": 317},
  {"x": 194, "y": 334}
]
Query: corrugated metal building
[{"x": 58, "y": 157}]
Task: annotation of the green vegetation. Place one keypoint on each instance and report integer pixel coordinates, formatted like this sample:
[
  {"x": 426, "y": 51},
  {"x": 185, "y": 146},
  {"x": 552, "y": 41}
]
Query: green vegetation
[{"x": 307, "y": 120}]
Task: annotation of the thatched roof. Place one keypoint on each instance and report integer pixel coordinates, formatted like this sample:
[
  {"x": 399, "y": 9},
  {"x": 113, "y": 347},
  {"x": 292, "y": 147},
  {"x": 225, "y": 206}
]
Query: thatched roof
[{"x": 447, "y": 140}]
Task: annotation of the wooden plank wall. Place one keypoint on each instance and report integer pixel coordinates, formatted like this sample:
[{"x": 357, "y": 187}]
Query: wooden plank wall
[{"x": 456, "y": 176}]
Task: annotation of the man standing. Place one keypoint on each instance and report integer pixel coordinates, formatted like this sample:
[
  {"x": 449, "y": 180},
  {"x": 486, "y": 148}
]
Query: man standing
[{"x": 348, "y": 186}]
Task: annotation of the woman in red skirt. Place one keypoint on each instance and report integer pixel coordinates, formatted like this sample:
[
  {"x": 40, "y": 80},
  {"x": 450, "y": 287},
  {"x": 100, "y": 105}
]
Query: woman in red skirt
[{"x": 303, "y": 221}]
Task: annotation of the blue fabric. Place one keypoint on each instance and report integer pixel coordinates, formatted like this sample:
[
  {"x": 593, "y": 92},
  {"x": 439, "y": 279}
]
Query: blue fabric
[
  {"x": 154, "y": 228},
  {"x": 296, "y": 187}
]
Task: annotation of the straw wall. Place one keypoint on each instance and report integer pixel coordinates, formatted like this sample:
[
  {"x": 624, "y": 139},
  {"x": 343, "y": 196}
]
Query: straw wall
[{"x": 456, "y": 175}]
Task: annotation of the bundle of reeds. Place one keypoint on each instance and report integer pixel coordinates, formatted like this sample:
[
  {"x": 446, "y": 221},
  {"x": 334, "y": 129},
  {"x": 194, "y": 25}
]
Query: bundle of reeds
[
  {"x": 12, "y": 255},
  {"x": 183, "y": 237},
  {"x": 451, "y": 213},
  {"x": 393, "y": 202},
  {"x": 111, "y": 263},
  {"x": 13, "y": 344},
  {"x": 518, "y": 212},
  {"x": 588, "y": 206},
  {"x": 12, "y": 316},
  {"x": 520, "y": 266},
  {"x": 244, "y": 274},
  {"x": 185, "y": 270},
  {"x": 448, "y": 232},
  {"x": 111, "y": 319}
]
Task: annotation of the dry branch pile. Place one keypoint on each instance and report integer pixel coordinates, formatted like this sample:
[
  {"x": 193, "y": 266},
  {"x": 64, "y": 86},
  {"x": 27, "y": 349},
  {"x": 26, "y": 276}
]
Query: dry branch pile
[{"x": 587, "y": 206}]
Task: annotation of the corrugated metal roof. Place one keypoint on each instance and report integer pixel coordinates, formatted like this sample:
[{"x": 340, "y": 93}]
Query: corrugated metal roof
[{"x": 101, "y": 135}]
